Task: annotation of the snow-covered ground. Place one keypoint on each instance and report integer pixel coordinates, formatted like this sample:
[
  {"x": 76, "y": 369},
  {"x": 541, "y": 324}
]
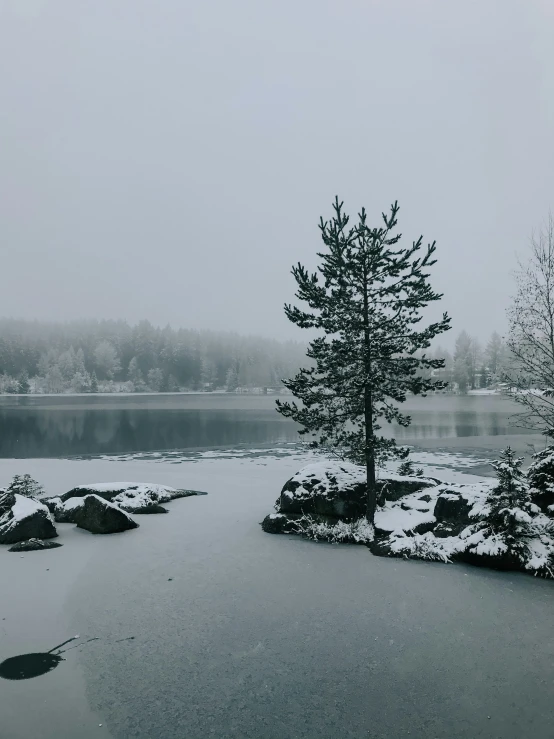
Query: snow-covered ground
[{"x": 206, "y": 626}]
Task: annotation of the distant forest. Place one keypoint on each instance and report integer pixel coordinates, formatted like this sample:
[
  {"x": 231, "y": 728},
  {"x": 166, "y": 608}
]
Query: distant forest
[{"x": 113, "y": 356}]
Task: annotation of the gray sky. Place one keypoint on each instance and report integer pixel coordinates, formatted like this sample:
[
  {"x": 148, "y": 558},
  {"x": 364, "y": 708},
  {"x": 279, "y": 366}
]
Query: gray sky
[{"x": 170, "y": 159}]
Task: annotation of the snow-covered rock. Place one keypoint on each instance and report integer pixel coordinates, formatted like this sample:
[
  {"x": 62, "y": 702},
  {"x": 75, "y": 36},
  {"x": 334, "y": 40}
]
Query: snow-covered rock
[
  {"x": 23, "y": 518},
  {"x": 99, "y": 516},
  {"x": 338, "y": 489},
  {"x": 134, "y": 497},
  {"x": 282, "y": 523},
  {"x": 31, "y": 545},
  {"x": 64, "y": 511}
]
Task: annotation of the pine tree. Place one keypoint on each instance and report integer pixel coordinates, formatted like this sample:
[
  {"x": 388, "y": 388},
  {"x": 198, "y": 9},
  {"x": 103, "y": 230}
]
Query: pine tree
[
  {"x": 509, "y": 510},
  {"x": 463, "y": 362},
  {"x": 24, "y": 386},
  {"x": 93, "y": 383},
  {"x": 540, "y": 475},
  {"x": 25, "y": 485},
  {"x": 493, "y": 355},
  {"x": 366, "y": 300}
]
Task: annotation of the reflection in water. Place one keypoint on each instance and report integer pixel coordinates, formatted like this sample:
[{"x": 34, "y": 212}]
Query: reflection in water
[
  {"x": 26, "y": 432},
  {"x": 65, "y": 426}
]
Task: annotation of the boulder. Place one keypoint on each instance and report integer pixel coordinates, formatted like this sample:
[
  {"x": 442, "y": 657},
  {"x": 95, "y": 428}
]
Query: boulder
[
  {"x": 64, "y": 512},
  {"x": 141, "y": 510},
  {"x": 452, "y": 506},
  {"x": 505, "y": 561},
  {"x": 424, "y": 528},
  {"x": 23, "y": 518},
  {"x": 34, "y": 544},
  {"x": 339, "y": 489},
  {"x": 326, "y": 488},
  {"x": 394, "y": 487},
  {"x": 132, "y": 494},
  {"x": 281, "y": 523},
  {"x": 99, "y": 516},
  {"x": 444, "y": 529}
]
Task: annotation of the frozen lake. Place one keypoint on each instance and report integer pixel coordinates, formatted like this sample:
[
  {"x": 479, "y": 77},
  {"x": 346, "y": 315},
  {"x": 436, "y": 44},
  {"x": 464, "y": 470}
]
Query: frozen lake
[
  {"x": 205, "y": 626},
  {"x": 59, "y": 426}
]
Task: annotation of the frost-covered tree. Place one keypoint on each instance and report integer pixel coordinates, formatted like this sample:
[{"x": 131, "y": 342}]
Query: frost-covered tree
[
  {"x": 365, "y": 302},
  {"x": 155, "y": 379},
  {"x": 24, "y": 385},
  {"x": 81, "y": 382},
  {"x": 172, "y": 384},
  {"x": 494, "y": 353},
  {"x": 530, "y": 373},
  {"x": 463, "y": 362},
  {"x": 232, "y": 379},
  {"x": 208, "y": 375},
  {"x": 93, "y": 383},
  {"x": 25, "y": 485},
  {"x": 540, "y": 476},
  {"x": 54, "y": 381},
  {"x": 507, "y": 517},
  {"x": 407, "y": 469},
  {"x": 106, "y": 359},
  {"x": 67, "y": 363}
]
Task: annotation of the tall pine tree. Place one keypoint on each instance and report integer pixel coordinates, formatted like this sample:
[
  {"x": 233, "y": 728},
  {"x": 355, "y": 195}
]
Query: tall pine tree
[{"x": 365, "y": 302}]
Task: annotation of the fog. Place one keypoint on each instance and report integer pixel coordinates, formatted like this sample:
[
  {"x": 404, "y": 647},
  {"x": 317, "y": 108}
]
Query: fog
[{"x": 170, "y": 160}]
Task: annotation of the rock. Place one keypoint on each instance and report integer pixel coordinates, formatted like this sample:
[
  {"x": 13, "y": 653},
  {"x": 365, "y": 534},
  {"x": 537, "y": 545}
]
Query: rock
[
  {"x": 281, "y": 523},
  {"x": 99, "y": 516},
  {"x": 23, "y": 518},
  {"x": 381, "y": 548},
  {"x": 326, "y": 488},
  {"x": 134, "y": 494},
  {"x": 423, "y": 528},
  {"x": 339, "y": 489},
  {"x": 140, "y": 510},
  {"x": 425, "y": 498},
  {"x": 445, "y": 529},
  {"x": 64, "y": 512},
  {"x": 51, "y": 503},
  {"x": 394, "y": 487},
  {"x": 451, "y": 506},
  {"x": 500, "y": 561},
  {"x": 34, "y": 544}
]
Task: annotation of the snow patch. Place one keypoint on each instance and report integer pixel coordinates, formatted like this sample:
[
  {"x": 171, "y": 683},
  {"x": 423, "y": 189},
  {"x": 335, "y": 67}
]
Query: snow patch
[{"x": 25, "y": 507}]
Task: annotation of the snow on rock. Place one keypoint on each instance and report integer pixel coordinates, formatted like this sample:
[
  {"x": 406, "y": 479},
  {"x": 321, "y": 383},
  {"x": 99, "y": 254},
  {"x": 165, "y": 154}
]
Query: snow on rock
[
  {"x": 31, "y": 545},
  {"x": 338, "y": 489},
  {"x": 23, "y": 518},
  {"x": 64, "y": 511},
  {"x": 99, "y": 516},
  {"x": 133, "y": 497},
  {"x": 391, "y": 518}
]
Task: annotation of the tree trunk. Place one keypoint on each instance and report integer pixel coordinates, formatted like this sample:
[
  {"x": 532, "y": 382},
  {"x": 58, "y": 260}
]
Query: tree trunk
[{"x": 371, "y": 500}]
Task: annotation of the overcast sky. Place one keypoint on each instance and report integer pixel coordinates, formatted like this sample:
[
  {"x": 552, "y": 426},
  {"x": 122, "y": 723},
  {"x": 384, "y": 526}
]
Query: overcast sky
[{"x": 170, "y": 159}]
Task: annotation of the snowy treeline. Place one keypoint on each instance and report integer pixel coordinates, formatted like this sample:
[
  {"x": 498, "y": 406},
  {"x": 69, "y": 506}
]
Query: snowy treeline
[
  {"x": 472, "y": 365},
  {"x": 92, "y": 356}
]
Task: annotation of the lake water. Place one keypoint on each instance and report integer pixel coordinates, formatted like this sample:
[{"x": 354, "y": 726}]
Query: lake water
[{"x": 60, "y": 426}]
